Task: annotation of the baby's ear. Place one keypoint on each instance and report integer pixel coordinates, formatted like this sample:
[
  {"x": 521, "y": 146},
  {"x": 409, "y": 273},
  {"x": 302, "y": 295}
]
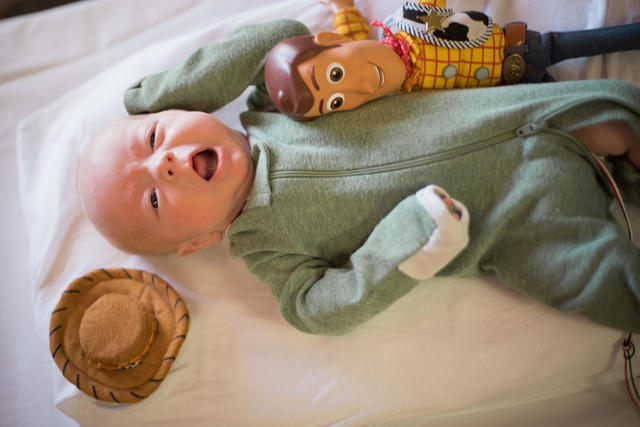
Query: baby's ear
[
  {"x": 329, "y": 39},
  {"x": 192, "y": 246}
]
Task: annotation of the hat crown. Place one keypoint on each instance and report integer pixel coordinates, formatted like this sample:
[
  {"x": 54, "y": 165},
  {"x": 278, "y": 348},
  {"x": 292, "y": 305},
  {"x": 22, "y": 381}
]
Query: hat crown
[{"x": 115, "y": 329}]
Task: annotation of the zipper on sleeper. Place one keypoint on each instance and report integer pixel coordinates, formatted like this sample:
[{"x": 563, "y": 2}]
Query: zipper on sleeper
[
  {"x": 403, "y": 164},
  {"x": 528, "y": 129}
]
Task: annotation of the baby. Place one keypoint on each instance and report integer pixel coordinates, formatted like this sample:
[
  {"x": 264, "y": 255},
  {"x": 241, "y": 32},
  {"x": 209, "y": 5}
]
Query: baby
[{"x": 340, "y": 217}]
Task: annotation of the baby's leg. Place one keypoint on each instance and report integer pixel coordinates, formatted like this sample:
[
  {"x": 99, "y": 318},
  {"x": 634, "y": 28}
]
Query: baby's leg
[
  {"x": 578, "y": 264},
  {"x": 613, "y": 138},
  {"x": 564, "y": 248}
]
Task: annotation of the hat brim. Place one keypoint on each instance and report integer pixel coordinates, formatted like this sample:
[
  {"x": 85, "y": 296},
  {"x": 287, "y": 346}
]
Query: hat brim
[{"x": 125, "y": 385}]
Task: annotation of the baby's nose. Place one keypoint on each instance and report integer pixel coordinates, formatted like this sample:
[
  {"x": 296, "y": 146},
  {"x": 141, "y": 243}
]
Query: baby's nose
[
  {"x": 167, "y": 166},
  {"x": 170, "y": 163}
]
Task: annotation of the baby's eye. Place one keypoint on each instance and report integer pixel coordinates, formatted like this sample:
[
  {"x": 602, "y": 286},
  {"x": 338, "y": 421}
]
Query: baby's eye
[
  {"x": 335, "y": 101},
  {"x": 153, "y": 198},
  {"x": 335, "y": 72},
  {"x": 152, "y": 140}
]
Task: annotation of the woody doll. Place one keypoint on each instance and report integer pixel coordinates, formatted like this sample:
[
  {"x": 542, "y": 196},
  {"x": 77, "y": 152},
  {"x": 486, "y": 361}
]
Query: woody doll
[{"x": 424, "y": 45}]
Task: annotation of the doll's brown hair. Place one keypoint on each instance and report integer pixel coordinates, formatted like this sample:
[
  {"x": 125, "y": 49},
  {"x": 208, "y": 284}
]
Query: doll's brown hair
[{"x": 284, "y": 83}]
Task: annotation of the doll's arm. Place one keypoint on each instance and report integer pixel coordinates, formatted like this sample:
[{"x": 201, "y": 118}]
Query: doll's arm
[
  {"x": 347, "y": 20},
  {"x": 319, "y": 297},
  {"x": 215, "y": 74},
  {"x": 336, "y": 6}
]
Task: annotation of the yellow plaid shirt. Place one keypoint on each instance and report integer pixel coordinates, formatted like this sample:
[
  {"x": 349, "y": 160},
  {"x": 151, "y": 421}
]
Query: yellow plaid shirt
[{"x": 429, "y": 61}]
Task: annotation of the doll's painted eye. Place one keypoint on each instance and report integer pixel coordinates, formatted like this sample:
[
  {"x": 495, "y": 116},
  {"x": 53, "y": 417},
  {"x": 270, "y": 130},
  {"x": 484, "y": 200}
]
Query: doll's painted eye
[
  {"x": 335, "y": 72},
  {"x": 335, "y": 101}
]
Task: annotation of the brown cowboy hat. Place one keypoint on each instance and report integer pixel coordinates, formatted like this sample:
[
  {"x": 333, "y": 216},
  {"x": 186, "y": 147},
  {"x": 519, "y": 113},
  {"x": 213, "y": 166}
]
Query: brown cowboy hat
[{"x": 116, "y": 332}]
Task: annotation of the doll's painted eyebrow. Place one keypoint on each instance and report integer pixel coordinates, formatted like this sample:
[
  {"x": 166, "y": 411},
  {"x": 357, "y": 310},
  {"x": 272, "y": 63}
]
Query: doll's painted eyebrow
[
  {"x": 313, "y": 78},
  {"x": 315, "y": 85}
]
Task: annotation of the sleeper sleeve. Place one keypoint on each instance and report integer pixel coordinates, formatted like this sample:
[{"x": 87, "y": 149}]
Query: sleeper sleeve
[
  {"x": 215, "y": 74},
  {"x": 320, "y": 298}
]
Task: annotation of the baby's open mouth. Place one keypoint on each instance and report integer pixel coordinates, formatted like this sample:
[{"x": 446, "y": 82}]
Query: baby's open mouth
[{"x": 205, "y": 163}]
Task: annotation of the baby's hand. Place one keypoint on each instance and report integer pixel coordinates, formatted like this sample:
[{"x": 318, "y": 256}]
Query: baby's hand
[
  {"x": 449, "y": 238},
  {"x": 336, "y": 5},
  {"x": 443, "y": 210},
  {"x": 451, "y": 206}
]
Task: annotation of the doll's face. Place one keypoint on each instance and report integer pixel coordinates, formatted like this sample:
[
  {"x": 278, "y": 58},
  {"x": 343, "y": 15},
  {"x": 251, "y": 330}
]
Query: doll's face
[
  {"x": 347, "y": 76},
  {"x": 172, "y": 177}
]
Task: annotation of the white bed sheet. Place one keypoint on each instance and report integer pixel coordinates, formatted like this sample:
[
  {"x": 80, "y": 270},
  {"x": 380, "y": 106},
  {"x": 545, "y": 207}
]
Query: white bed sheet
[{"x": 454, "y": 352}]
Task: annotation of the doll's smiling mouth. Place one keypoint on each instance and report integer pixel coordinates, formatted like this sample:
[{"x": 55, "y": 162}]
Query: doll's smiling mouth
[
  {"x": 205, "y": 163},
  {"x": 380, "y": 76}
]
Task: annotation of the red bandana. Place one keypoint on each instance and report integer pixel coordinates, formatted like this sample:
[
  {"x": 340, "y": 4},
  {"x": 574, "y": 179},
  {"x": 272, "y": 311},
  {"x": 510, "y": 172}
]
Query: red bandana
[{"x": 400, "y": 46}]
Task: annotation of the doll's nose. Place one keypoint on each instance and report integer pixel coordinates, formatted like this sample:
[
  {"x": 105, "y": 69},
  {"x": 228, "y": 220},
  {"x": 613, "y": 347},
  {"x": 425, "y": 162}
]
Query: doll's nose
[{"x": 364, "y": 86}]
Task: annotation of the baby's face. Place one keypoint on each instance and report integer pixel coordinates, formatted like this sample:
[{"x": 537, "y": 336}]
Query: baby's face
[{"x": 173, "y": 176}]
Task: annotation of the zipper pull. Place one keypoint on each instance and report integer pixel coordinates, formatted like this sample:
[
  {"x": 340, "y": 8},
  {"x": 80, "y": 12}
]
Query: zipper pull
[{"x": 531, "y": 128}]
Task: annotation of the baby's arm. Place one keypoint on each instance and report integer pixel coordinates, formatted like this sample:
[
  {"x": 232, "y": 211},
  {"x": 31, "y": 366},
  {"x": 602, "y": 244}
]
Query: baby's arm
[
  {"x": 215, "y": 74},
  {"x": 320, "y": 297}
]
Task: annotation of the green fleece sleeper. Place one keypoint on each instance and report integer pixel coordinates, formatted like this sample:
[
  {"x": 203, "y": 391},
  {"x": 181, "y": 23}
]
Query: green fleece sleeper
[{"x": 333, "y": 210}]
